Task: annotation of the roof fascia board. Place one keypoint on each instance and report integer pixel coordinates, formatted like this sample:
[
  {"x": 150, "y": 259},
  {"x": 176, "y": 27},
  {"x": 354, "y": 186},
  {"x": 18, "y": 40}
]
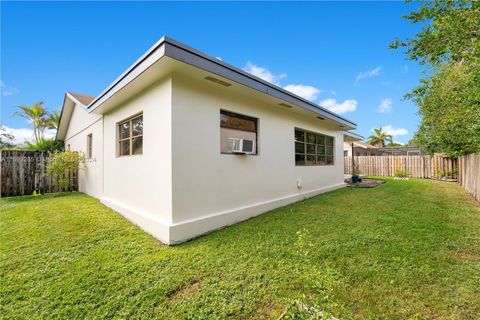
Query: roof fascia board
[
  {"x": 144, "y": 62},
  {"x": 353, "y": 135},
  {"x": 178, "y": 51},
  {"x": 61, "y": 115},
  {"x": 68, "y": 96},
  {"x": 62, "y": 126},
  {"x": 186, "y": 54}
]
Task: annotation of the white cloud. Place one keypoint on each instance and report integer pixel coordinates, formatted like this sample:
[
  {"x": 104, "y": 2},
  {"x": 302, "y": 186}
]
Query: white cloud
[
  {"x": 219, "y": 58},
  {"x": 8, "y": 91},
  {"x": 405, "y": 69},
  {"x": 304, "y": 91},
  {"x": 346, "y": 106},
  {"x": 22, "y": 134},
  {"x": 389, "y": 129},
  {"x": 385, "y": 105},
  {"x": 264, "y": 73},
  {"x": 367, "y": 74}
]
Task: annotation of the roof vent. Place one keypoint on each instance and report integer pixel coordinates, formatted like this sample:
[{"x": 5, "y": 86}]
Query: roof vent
[
  {"x": 285, "y": 105},
  {"x": 218, "y": 81}
]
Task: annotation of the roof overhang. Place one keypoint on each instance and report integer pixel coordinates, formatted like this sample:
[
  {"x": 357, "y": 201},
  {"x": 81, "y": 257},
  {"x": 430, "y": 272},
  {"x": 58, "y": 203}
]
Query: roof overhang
[
  {"x": 69, "y": 102},
  {"x": 349, "y": 136},
  {"x": 167, "y": 56}
]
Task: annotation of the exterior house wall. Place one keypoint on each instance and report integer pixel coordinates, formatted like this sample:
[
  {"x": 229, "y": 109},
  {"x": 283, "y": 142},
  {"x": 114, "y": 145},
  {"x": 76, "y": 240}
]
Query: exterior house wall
[
  {"x": 347, "y": 149},
  {"x": 139, "y": 186},
  {"x": 210, "y": 189},
  {"x": 182, "y": 186},
  {"x": 82, "y": 124}
]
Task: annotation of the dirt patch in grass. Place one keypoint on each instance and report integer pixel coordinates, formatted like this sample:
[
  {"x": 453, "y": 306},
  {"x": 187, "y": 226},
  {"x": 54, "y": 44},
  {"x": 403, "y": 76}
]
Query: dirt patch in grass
[
  {"x": 465, "y": 256},
  {"x": 185, "y": 290},
  {"x": 267, "y": 309},
  {"x": 366, "y": 183}
]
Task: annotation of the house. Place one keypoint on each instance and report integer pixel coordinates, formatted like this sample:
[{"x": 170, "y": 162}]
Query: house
[
  {"x": 182, "y": 143},
  {"x": 359, "y": 148},
  {"x": 402, "y": 151},
  {"x": 364, "y": 149}
]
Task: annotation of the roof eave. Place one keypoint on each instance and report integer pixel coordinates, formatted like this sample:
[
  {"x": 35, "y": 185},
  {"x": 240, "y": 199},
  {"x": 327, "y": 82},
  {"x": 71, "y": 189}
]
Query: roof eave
[
  {"x": 352, "y": 136},
  {"x": 189, "y": 55}
]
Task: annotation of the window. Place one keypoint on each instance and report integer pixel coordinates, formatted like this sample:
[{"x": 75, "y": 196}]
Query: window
[
  {"x": 237, "y": 126},
  {"x": 313, "y": 149},
  {"x": 89, "y": 146},
  {"x": 345, "y": 153},
  {"x": 130, "y": 136}
]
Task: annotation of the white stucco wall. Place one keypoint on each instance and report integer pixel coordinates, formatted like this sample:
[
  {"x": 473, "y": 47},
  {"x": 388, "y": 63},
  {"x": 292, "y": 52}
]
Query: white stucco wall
[
  {"x": 139, "y": 186},
  {"x": 347, "y": 147},
  {"x": 210, "y": 189},
  {"x": 81, "y": 124},
  {"x": 182, "y": 186}
]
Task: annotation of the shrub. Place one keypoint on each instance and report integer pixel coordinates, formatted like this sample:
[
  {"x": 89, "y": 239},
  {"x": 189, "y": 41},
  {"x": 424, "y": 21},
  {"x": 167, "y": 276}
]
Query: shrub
[
  {"x": 50, "y": 145},
  {"x": 63, "y": 163},
  {"x": 401, "y": 173}
]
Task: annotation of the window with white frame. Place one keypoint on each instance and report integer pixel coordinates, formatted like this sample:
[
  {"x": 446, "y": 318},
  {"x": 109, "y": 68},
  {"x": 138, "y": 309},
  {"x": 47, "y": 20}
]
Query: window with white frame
[{"x": 130, "y": 136}]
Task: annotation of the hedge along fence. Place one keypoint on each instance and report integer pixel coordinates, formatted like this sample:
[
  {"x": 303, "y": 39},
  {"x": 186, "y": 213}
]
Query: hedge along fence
[
  {"x": 25, "y": 172},
  {"x": 430, "y": 167},
  {"x": 469, "y": 174}
]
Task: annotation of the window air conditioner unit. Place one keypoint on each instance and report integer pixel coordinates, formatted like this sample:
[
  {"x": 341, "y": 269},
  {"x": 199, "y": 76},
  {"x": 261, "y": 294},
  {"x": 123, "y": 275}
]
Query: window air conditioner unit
[{"x": 242, "y": 146}]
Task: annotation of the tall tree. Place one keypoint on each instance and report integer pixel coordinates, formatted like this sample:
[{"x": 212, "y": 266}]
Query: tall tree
[
  {"x": 380, "y": 138},
  {"x": 53, "y": 120},
  {"x": 40, "y": 119},
  {"x": 35, "y": 115},
  {"x": 449, "y": 97}
]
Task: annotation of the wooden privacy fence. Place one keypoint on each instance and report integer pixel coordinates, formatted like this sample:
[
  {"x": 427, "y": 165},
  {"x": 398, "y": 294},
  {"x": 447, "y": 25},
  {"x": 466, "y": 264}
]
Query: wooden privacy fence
[
  {"x": 469, "y": 174},
  {"x": 24, "y": 172},
  {"x": 431, "y": 167}
]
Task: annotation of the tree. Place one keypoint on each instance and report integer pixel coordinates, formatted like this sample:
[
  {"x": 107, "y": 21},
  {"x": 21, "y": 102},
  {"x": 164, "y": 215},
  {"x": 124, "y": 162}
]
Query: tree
[
  {"x": 36, "y": 116},
  {"x": 41, "y": 119},
  {"x": 6, "y": 139},
  {"x": 449, "y": 103},
  {"x": 448, "y": 98},
  {"x": 394, "y": 144},
  {"x": 61, "y": 164},
  {"x": 53, "y": 120},
  {"x": 380, "y": 138},
  {"x": 50, "y": 145},
  {"x": 452, "y": 34}
]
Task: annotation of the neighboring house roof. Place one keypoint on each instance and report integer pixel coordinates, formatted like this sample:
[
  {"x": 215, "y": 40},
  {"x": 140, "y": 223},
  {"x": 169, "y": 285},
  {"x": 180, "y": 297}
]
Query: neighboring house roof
[
  {"x": 360, "y": 144},
  {"x": 172, "y": 49},
  {"x": 364, "y": 145},
  {"x": 349, "y": 137},
  {"x": 84, "y": 99}
]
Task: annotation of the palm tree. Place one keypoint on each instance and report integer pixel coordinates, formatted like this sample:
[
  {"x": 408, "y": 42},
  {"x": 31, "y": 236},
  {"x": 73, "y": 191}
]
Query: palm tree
[
  {"x": 36, "y": 116},
  {"x": 380, "y": 138},
  {"x": 53, "y": 120}
]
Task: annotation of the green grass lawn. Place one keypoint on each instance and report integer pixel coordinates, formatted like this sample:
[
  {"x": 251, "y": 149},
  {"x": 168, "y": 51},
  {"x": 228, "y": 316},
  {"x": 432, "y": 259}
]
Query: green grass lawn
[{"x": 405, "y": 249}]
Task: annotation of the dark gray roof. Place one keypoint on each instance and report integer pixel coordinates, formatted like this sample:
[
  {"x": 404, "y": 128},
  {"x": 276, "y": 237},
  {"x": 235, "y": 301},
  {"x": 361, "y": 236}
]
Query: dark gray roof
[{"x": 186, "y": 54}]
